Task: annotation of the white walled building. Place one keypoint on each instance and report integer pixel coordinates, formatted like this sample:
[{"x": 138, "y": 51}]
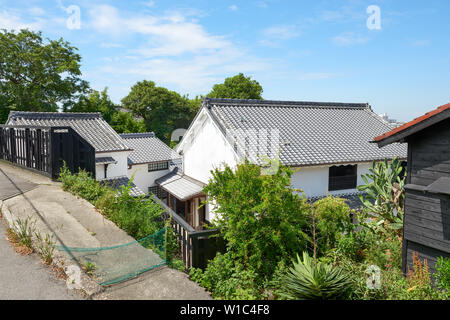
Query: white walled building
[
  {"x": 150, "y": 159},
  {"x": 328, "y": 144}
]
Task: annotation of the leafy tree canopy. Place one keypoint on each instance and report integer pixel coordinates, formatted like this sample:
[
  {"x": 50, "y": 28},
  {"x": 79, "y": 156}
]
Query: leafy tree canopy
[
  {"x": 95, "y": 101},
  {"x": 237, "y": 87},
  {"x": 162, "y": 110},
  {"x": 260, "y": 216},
  {"x": 37, "y": 75},
  {"x": 124, "y": 122}
]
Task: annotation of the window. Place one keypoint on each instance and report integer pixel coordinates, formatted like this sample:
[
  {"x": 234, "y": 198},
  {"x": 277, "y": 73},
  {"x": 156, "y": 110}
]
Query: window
[
  {"x": 342, "y": 177},
  {"x": 157, "y": 191},
  {"x": 158, "y": 166}
]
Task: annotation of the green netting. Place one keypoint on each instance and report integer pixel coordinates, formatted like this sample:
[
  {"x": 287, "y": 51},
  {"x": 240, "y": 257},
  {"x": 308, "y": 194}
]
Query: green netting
[{"x": 109, "y": 265}]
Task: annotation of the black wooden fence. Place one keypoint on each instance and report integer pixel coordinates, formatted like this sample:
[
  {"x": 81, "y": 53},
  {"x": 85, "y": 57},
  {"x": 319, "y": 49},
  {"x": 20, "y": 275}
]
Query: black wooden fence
[
  {"x": 197, "y": 247},
  {"x": 43, "y": 149}
]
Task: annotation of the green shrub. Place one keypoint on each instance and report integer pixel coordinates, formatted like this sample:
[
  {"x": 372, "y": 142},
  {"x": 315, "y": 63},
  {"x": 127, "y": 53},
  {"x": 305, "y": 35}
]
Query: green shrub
[
  {"x": 227, "y": 280},
  {"x": 138, "y": 216},
  {"x": 442, "y": 274},
  {"x": 261, "y": 218},
  {"x": 315, "y": 280},
  {"x": 330, "y": 219}
]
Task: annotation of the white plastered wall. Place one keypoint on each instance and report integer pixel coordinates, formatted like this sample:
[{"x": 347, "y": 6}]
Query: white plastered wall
[
  {"x": 144, "y": 179},
  {"x": 114, "y": 170},
  {"x": 314, "y": 180}
]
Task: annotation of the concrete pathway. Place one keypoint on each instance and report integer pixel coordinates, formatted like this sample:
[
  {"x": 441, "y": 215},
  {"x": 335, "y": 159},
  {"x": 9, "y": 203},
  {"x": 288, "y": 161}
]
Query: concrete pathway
[
  {"x": 27, "y": 278},
  {"x": 12, "y": 186},
  {"x": 76, "y": 223}
]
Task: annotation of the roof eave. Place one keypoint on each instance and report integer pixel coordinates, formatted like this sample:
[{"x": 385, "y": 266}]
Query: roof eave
[{"x": 402, "y": 135}]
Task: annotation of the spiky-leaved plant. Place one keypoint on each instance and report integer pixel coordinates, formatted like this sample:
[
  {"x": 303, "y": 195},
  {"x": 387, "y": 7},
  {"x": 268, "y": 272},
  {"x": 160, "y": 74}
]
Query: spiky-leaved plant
[{"x": 315, "y": 280}]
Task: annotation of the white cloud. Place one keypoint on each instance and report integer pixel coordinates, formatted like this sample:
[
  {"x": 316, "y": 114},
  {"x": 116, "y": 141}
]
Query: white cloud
[
  {"x": 110, "y": 45},
  {"x": 421, "y": 43},
  {"x": 36, "y": 11},
  {"x": 11, "y": 21},
  {"x": 149, "y": 4},
  {"x": 348, "y": 39},
  {"x": 233, "y": 7},
  {"x": 170, "y": 34},
  {"x": 283, "y": 32},
  {"x": 173, "y": 50},
  {"x": 274, "y": 35}
]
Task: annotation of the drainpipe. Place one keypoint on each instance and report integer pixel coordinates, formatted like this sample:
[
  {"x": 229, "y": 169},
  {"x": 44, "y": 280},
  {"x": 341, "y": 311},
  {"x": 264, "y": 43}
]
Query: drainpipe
[{"x": 106, "y": 169}]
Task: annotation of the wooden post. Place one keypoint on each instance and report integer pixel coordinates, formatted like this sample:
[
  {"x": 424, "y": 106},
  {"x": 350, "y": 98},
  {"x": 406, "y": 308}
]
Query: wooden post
[{"x": 192, "y": 213}]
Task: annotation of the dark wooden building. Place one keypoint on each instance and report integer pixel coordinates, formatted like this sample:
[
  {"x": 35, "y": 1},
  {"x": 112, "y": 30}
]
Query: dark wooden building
[{"x": 427, "y": 190}]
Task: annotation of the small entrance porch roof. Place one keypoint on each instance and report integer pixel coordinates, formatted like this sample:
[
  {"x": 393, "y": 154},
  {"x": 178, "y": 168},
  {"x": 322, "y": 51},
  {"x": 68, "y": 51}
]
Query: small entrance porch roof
[
  {"x": 180, "y": 186},
  {"x": 105, "y": 160}
]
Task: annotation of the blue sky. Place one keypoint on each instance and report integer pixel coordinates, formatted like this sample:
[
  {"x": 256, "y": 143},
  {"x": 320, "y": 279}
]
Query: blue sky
[{"x": 297, "y": 50}]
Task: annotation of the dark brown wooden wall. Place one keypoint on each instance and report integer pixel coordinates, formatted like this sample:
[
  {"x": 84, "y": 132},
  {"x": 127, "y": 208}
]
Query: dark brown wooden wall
[
  {"x": 430, "y": 154},
  {"x": 427, "y": 215}
]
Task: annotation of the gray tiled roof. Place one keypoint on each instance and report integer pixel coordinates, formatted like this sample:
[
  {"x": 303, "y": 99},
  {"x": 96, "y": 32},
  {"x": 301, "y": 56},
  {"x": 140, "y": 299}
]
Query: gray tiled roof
[
  {"x": 105, "y": 160},
  {"x": 181, "y": 186},
  {"x": 310, "y": 133},
  {"x": 116, "y": 182},
  {"x": 91, "y": 126},
  {"x": 148, "y": 148}
]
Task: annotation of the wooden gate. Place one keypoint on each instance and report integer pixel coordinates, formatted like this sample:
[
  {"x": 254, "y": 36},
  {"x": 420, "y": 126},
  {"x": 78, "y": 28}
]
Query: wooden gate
[{"x": 43, "y": 149}]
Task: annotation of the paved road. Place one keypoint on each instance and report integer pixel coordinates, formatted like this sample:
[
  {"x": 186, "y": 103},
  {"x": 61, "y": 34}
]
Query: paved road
[
  {"x": 26, "y": 278},
  {"x": 76, "y": 223},
  {"x": 11, "y": 186}
]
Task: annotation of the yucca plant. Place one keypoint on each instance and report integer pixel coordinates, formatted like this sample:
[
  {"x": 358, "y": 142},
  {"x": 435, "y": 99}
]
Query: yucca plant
[
  {"x": 308, "y": 279},
  {"x": 384, "y": 194}
]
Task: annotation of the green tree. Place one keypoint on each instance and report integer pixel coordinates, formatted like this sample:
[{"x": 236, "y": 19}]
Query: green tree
[
  {"x": 95, "y": 101},
  {"x": 123, "y": 122},
  {"x": 237, "y": 87},
  {"x": 260, "y": 216},
  {"x": 162, "y": 110},
  {"x": 37, "y": 75}
]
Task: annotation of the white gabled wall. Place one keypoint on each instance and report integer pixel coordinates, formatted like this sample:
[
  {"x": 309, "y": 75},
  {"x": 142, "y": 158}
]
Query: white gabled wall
[
  {"x": 114, "y": 170},
  {"x": 205, "y": 148},
  {"x": 314, "y": 180},
  {"x": 144, "y": 179}
]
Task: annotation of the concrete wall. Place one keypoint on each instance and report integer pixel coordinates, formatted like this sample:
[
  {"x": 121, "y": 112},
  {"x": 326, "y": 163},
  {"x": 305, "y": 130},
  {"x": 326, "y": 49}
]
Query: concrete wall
[
  {"x": 144, "y": 179},
  {"x": 114, "y": 170},
  {"x": 314, "y": 180}
]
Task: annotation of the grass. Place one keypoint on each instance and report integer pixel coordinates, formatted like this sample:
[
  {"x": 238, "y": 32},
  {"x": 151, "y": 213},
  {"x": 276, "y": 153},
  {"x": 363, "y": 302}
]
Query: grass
[
  {"x": 46, "y": 246},
  {"x": 20, "y": 234}
]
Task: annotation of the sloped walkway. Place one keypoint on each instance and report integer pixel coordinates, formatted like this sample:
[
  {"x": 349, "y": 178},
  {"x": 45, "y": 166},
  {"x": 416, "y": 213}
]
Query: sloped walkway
[
  {"x": 27, "y": 278},
  {"x": 76, "y": 223}
]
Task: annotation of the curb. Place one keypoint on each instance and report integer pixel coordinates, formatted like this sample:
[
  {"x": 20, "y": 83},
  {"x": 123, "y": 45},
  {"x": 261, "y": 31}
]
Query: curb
[{"x": 76, "y": 278}]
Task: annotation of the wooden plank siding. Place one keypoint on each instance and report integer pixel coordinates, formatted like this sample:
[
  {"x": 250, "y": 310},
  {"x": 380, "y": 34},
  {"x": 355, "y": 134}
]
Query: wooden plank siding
[
  {"x": 430, "y": 154},
  {"x": 424, "y": 252},
  {"x": 427, "y": 215}
]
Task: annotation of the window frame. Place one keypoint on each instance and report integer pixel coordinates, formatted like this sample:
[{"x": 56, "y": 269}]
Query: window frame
[
  {"x": 160, "y": 193},
  {"x": 156, "y": 166},
  {"x": 337, "y": 182}
]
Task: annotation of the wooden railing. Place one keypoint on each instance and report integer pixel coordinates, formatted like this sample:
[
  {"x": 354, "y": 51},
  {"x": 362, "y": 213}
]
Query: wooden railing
[{"x": 197, "y": 247}]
